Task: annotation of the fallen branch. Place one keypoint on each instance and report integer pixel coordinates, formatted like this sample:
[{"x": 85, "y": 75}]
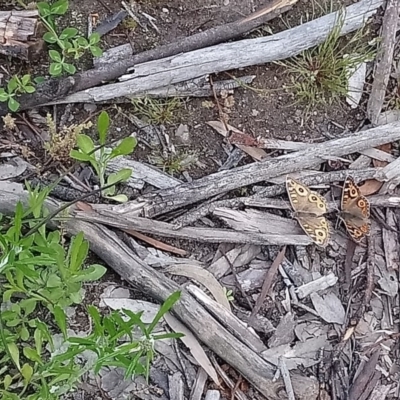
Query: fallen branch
[
  {"x": 164, "y": 201},
  {"x": 53, "y": 89},
  {"x": 224, "y": 57},
  {"x": 385, "y": 60}
]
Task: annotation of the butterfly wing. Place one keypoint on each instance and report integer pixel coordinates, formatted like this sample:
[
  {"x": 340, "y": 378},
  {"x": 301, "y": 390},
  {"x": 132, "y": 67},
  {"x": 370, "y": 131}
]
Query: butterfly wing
[
  {"x": 304, "y": 200},
  {"x": 356, "y": 227},
  {"x": 353, "y": 202},
  {"x": 317, "y": 228},
  {"x": 355, "y": 211}
]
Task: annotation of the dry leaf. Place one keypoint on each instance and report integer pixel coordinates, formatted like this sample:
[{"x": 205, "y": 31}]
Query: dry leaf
[{"x": 193, "y": 345}]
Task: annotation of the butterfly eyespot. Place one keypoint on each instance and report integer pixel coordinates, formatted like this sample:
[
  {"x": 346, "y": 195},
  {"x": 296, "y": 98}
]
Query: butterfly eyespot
[
  {"x": 301, "y": 190},
  {"x": 353, "y": 192}
]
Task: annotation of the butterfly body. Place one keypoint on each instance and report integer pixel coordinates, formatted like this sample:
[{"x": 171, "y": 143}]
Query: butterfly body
[
  {"x": 309, "y": 208},
  {"x": 355, "y": 211}
]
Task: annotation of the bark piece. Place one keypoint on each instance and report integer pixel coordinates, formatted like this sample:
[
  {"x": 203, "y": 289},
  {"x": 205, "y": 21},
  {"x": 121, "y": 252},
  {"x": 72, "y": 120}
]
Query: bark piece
[{"x": 20, "y": 34}]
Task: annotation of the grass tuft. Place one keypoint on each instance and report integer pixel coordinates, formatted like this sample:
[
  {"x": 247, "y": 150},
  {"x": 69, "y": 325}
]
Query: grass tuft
[{"x": 319, "y": 76}]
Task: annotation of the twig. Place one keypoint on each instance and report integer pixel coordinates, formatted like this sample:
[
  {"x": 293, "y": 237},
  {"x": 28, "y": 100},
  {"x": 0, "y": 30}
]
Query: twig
[
  {"x": 286, "y": 378},
  {"x": 269, "y": 277}
]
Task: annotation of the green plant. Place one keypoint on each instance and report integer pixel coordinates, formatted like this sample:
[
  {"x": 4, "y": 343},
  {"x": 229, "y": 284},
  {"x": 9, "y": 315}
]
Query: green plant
[
  {"x": 38, "y": 280},
  {"x": 229, "y": 294},
  {"x": 100, "y": 158},
  {"x": 157, "y": 111},
  {"x": 16, "y": 86},
  {"x": 320, "y": 75},
  {"x": 116, "y": 342},
  {"x": 69, "y": 41}
]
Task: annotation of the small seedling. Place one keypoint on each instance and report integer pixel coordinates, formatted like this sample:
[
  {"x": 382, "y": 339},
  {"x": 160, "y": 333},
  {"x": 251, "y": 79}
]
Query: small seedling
[
  {"x": 69, "y": 41},
  {"x": 99, "y": 158},
  {"x": 16, "y": 86},
  {"x": 229, "y": 294}
]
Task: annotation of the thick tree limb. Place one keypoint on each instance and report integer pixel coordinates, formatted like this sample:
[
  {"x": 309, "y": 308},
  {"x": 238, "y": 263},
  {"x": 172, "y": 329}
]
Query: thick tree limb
[
  {"x": 54, "y": 89},
  {"x": 164, "y": 201},
  {"x": 228, "y": 56}
]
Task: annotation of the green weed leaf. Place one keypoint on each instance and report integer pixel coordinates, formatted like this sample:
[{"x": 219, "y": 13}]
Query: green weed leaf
[
  {"x": 126, "y": 147},
  {"x": 78, "y": 155},
  {"x": 55, "y": 56},
  {"x": 94, "y": 38},
  {"x": 61, "y": 319},
  {"x": 120, "y": 198},
  {"x": 60, "y": 7},
  {"x": 55, "y": 69},
  {"x": 25, "y": 79},
  {"x": 119, "y": 176},
  {"x": 93, "y": 273},
  {"x": 12, "y": 85},
  {"x": 29, "y": 89},
  {"x": 103, "y": 124},
  {"x": 85, "y": 143},
  {"x": 96, "y": 51},
  {"x": 14, "y": 353},
  {"x": 3, "y": 95},
  {"x": 68, "y": 33},
  {"x": 44, "y": 8},
  {"x": 69, "y": 68},
  {"x": 27, "y": 372},
  {"x": 50, "y": 37},
  {"x": 13, "y": 104}
]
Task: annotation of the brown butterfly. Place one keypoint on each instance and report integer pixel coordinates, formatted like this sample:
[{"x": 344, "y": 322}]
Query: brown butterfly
[
  {"x": 309, "y": 207},
  {"x": 355, "y": 211}
]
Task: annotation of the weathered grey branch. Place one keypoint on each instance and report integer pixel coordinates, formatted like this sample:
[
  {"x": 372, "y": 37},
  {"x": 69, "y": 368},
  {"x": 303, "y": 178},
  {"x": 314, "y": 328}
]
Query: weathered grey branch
[
  {"x": 164, "y": 201},
  {"x": 224, "y": 57}
]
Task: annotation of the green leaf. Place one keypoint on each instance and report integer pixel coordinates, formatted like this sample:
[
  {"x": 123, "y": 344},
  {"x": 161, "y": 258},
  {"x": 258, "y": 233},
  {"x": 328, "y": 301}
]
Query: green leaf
[
  {"x": 13, "y": 104},
  {"x": 82, "y": 42},
  {"x": 68, "y": 33},
  {"x": 165, "y": 307},
  {"x": 93, "y": 273},
  {"x": 14, "y": 353},
  {"x": 78, "y": 252},
  {"x": 28, "y": 305},
  {"x": 55, "y": 56},
  {"x": 50, "y": 37},
  {"x": 31, "y": 354},
  {"x": 126, "y": 147},
  {"x": 69, "y": 68},
  {"x": 60, "y": 7},
  {"x": 53, "y": 281},
  {"x": 94, "y": 38},
  {"x": 12, "y": 85},
  {"x": 61, "y": 320},
  {"x": 120, "y": 198},
  {"x": 55, "y": 69},
  {"x": 24, "y": 334},
  {"x": 119, "y": 176},
  {"x": 29, "y": 89},
  {"x": 27, "y": 372},
  {"x": 103, "y": 123},
  {"x": 96, "y": 51},
  {"x": 3, "y": 95},
  {"x": 44, "y": 8},
  {"x": 26, "y": 79},
  {"x": 85, "y": 143},
  {"x": 7, "y": 381},
  {"x": 39, "y": 79},
  {"x": 78, "y": 155}
]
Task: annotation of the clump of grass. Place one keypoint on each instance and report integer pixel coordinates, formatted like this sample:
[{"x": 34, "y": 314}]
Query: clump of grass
[
  {"x": 157, "y": 111},
  {"x": 174, "y": 163},
  {"x": 320, "y": 75}
]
